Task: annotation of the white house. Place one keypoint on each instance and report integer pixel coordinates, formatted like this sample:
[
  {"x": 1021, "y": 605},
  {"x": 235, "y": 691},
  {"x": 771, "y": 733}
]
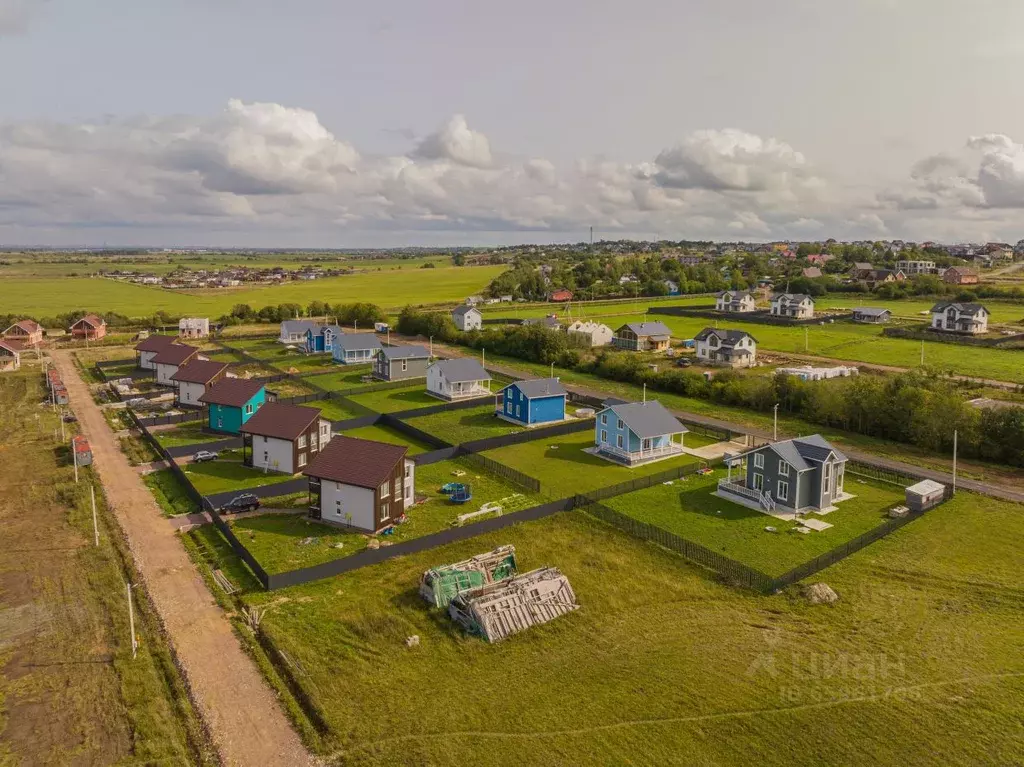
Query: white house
[
  {"x": 467, "y": 318},
  {"x": 797, "y": 305},
  {"x": 590, "y": 333},
  {"x": 459, "y": 378},
  {"x": 148, "y": 348},
  {"x": 167, "y": 361},
  {"x": 735, "y": 348},
  {"x": 284, "y": 438},
  {"x": 735, "y": 301},
  {"x": 192, "y": 379},
  {"x": 194, "y": 327},
  {"x": 954, "y": 317},
  {"x": 294, "y": 331},
  {"x": 361, "y": 484}
]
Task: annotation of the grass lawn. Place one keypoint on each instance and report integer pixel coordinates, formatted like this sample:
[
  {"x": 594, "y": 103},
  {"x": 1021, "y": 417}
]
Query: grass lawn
[
  {"x": 138, "y": 450},
  {"x": 564, "y": 469},
  {"x": 396, "y": 400},
  {"x": 221, "y": 355},
  {"x": 303, "y": 363},
  {"x": 688, "y": 509},
  {"x": 457, "y": 426},
  {"x": 344, "y": 377},
  {"x": 127, "y": 370},
  {"x": 276, "y": 539},
  {"x": 254, "y": 370},
  {"x": 170, "y": 493},
  {"x": 380, "y": 433},
  {"x": 289, "y": 388},
  {"x": 332, "y": 409},
  {"x": 189, "y": 433},
  {"x": 227, "y": 473}
]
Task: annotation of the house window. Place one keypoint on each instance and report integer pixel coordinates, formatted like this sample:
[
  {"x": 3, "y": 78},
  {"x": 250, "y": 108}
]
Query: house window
[
  {"x": 783, "y": 490},
  {"x": 385, "y": 489},
  {"x": 604, "y": 419},
  {"x": 604, "y": 435},
  {"x": 220, "y": 423},
  {"x": 619, "y": 425},
  {"x": 248, "y": 409},
  {"x": 302, "y": 442},
  {"x": 385, "y": 511},
  {"x": 302, "y": 459},
  {"x": 758, "y": 481},
  {"x": 783, "y": 469},
  {"x": 405, "y": 365},
  {"x": 758, "y": 460},
  {"x": 618, "y": 440},
  {"x": 408, "y": 470},
  {"x": 519, "y": 411}
]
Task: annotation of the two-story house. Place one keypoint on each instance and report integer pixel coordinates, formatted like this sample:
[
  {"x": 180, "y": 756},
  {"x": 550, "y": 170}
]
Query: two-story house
[
  {"x": 589, "y": 334},
  {"x": 25, "y": 332},
  {"x": 192, "y": 379},
  {"x": 735, "y": 301},
  {"x": 320, "y": 338},
  {"x": 960, "y": 275},
  {"x": 956, "y": 317},
  {"x": 796, "y": 305},
  {"x": 283, "y": 438},
  {"x": 167, "y": 361},
  {"x": 634, "y": 433},
  {"x": 91, "y": 328},
  {"x": 10, "y": 355},
  {"x": 532, "y": 403},
  {"x": 467, "y": 318},
  {"x": 398, "y": 363},
  {"x": 643, "y": 337},
  {"x": 194, "y": 327},
  {"x": 231, "y": 402},
  {"x": 148, "y": 348},
  {"x": 735, "y": 348}
]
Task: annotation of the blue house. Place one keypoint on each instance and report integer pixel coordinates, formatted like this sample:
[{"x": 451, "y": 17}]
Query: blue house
[
  {"x": 634, "y": 433},
  {"x": 321, "y": 338},
  {"x": 231, "y": 402},
  {"x": 354, "y": 348},
  {"x": 530, "y": 403}
]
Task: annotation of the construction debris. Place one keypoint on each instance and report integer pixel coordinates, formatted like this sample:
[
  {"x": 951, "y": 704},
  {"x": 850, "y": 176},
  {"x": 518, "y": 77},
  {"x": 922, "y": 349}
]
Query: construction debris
[
  {"x": 413, "y": 641},
  {"x": 820, "y": 593},
  {"x": 439, "y": 585}
]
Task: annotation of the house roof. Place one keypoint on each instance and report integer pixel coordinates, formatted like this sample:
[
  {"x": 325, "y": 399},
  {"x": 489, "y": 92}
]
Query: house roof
[
  {"x": 359, "y": 462},
  {"x": 727, "y": 337},
  {"x": 961, "y": 270},
  {"x": 648, "y": 419},
  {"x": 29, "y": 326},
  {"x": 199, "y": 371},
  {"x": 797, "y": 297},
  {"x": 862, "y": 266},
  {"x": 404, "y": 352},
  {"x": 174, "y": 354},
  {"x": 281, "y": 421},
  {"x": 154, "y": 343},
  {"x": 811, "y": 271},
  {"x": 90, "y": 319},
  {"x": 319, "y": 330},
  {"x": 463, "y": 310},
  {"x": 11, "y": 346},
  {"x": 462, "y": 369},
  {"x": 298, "y": 326},
  {"x": 648, "y": 328},
  {"x": 233, "y": 392},
  {"x": 871, "y": 311},
  {"x": 801, "y": 452},
  {"x": 963, "y": 308},
  {"x": 587, "y": 327},
  {"x": 925, "y": 486},
  {"x": 539, "y": 387},
  {"x": 354, "y": 341},
  {"x": 734, "y": 294}
]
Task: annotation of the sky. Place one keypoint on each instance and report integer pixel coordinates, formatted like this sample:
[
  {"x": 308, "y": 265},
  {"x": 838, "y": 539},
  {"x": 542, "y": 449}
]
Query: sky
[{"x": 326, "y": 123}]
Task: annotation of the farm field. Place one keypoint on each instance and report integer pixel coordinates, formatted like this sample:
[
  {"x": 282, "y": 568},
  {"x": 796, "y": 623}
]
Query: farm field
[
  {"x": 386, "y": 434},
  {"x": 688, "y": 509},
  {"x": 458, "y": 426},
  {"x": 227, "y": 473}
]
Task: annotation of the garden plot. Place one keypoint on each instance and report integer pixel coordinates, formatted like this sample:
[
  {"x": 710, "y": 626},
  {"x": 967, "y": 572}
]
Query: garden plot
[
  {"x": 687, "y": 508},
  {"x": 289, "y": 387},
  {"x": 458, "y": 426},
  {"x": 170, "y": 493},
  {"x": 227, "y": 473}
]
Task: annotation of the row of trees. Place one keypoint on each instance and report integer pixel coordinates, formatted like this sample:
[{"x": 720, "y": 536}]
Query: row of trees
[{"x": 364, "y": 314}]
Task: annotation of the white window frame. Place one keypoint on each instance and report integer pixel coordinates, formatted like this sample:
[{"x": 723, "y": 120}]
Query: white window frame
[
  {"x": 758, "y": 482},
  {"x": 248, "y": 409},
  {"x": 385, "y": 489},
  {"x": 385, "y": 511},
  {"x": 783, "y": 490},
  {"x": 301, "y": 442},
  {"x": 604, "y": 419},
  {"x": 618, "y": 442},
  {"x": 783, "y": 468},
  {"x": 405, "y": 365},
  {"x": 604, "y": 436},
  {"x": 302, "y": 460},
  {"x": 758, "y": 460},
  {"x": 619, "y": 424}
]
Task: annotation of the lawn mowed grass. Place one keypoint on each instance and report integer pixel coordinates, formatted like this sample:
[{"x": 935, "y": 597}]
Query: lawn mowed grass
[
  {"x": 170, "y": 493},
  {"x": 688, "y": 508},
  {"x": 379, "y": 433},
  {"x": 395, "y": 400},
  {"x": 343, "y": 378},
  {"x": 289, "y": 388},
  {"x": 332, "y": 409},
  {"x": 189, "y": 433},
  {"x": 458, "y": 426},
  {"x": 227, "y": 473},
  {"x": 663, "y": 660}
]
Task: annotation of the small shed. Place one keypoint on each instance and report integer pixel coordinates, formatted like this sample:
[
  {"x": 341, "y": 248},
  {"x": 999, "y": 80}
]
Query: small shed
[
  {"x": 82, "y": 450},
  {"x": 439, "y": 585},
  {"x": 925, "y": 494}
]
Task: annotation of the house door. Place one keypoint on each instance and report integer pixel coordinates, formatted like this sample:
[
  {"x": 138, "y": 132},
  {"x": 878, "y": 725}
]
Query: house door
[
  {"x": 646, "y": 445},
  {"x": 827, "y": 480}
]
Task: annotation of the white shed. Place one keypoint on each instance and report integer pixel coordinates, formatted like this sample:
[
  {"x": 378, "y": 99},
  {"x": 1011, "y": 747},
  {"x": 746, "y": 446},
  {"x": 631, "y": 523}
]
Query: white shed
[{"x": 925, "y": 494}]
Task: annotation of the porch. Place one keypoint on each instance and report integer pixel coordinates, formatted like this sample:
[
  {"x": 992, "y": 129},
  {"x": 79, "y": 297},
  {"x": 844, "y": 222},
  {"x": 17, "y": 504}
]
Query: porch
[
  {"x": 461, "y": 390},
  {"x": 639, "y": 457}
]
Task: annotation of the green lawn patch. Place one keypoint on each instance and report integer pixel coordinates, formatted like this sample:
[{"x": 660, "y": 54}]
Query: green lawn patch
[
  {"x": 170, "y": 493},
  {"x": 289, "y": 387},
  {"x": 396, "y": 400},
  {"x": 227, "y": 473},
  {"x": 138, "y": 450},
  {"x": 343, "y": 378},
  {"x": 458, "y": 426},
  {"x": 380, "y": 433},
  {"x": 333, "y": 410},
  {"x": 190, "y": 433}
]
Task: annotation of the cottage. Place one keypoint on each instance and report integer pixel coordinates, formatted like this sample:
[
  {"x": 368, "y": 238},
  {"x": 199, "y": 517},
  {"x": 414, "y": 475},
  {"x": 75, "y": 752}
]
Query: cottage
[
  {"x": 956, "y": 317},
  {"x": 399, "y": 363},
  {"x": 148, "y": 348},
  {"x": 439, "y": 585},
  {"x": 283, "y": 438},
  {"x": 231, "y": 402},
  {"x": 794, "y": 476},
  {"x": 91, "y": 328},
  {"x": 361, "y": 484},
  {"x": 192, "y": 379},
  {"x": 355, "y": 348},
  {"x": 960, "y": 275},
  {"x": 167, "y": 361},
  {"x": 819, "y": 259},
  {"x": 456, "y": 379},
  {"x": 294, "y": 331},
  {"x": 467, "y": 318},
  {"x": 10, "y": 356},
  {"x": 861, "y": 270},
  {"x": 643, "y": 337},
  {"x": 735, "y": 301},
  {"x": 735, "y": 348},
  {"x": 635, "y": 433},
  {"x": 532, "y": 403},
  {"x": 81, "y": 450},
  {"x": 497, "y": 610},
  {"x": 25, "y": 332},
  {"x": 871, "y": 315},
  {"x": 590, "y": 334},
  {"x": 796, "y": 305},
  {"x": 194, "y": 327},
  {"x": 321, "y": 338},
  {"x": 560, "y": 296}
]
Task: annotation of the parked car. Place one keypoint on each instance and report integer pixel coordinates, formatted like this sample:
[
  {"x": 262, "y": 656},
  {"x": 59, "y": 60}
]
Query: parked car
[
  {"x": 244, "y": 502},
  {"x": 205, "y": 455},
  {"x": 70, "y": 418}
]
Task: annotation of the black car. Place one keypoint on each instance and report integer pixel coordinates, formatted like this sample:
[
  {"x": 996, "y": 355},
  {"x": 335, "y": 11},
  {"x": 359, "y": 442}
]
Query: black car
[
  {"x": 70, "y": 418},
  {"x": 244, "y": 502}
]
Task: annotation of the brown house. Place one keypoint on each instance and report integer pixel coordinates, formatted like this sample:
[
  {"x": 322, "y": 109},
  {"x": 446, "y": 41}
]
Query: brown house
[
  {"x": 192, "y": 379},
  {"x": 284, "y": 438},
  {"x": 960, "y": 275},
  {"x": 10, "y": 355},
  {"x": 361, "y": 484},
  {"x": 25, "y": 332},
  {"x": 91, "y": 327},
  {"x": 148, "y": 348}
]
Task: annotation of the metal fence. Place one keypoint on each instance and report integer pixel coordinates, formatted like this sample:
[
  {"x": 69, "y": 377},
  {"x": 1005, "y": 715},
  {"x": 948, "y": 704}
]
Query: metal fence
[
  {"x": 505, "y": 472},
  {"x": 640, "y": 483},
  {"x": 391, "y": 420},
  {"x": 530, "y": 435},
  {"x": 164, "y": 420},
  {"x": 442, "y": 407}
]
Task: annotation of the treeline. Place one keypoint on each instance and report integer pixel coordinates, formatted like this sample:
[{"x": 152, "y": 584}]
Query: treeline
[
  {"x": 364, "y": 314},
  {"x": 915, "y": 408}
]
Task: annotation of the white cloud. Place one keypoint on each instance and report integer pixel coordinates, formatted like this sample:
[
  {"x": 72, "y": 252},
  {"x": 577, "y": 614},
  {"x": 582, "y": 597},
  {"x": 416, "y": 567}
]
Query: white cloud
[{"x": 456, "y": 142}]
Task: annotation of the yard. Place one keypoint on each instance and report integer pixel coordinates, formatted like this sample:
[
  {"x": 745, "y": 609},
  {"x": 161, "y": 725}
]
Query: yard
[
  {"x": 289, "y": 387},
  {"x": 189, "y": 433},
  {"x": 458, "y": 426},
  {"x": 332, "y": 409},
  {"x": 170, "y": 493},
  {"x": 227, "y": 473},
  {"x": 381, "y": 433},
  {"x": 398, "y": 399},
  {"x": 344, "y": 377},
  {"x": 688, "y": 509}
]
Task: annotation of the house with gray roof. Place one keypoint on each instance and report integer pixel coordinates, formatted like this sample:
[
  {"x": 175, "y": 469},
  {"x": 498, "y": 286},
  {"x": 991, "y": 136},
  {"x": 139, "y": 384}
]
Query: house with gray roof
[
  {"x": 532, "y": 403},
  {"x": 456, "y": 379},
  {"x": 794, "y": 476},
  {"x": 355, "y": 348},
  {"x": 635, "y": 433},
  {"x": 467, "y": 317},
  {"x": 797, "y": 305},
  {"x": 398, "y": 363},
  {"x": 735, "y": 301},
  {"x": 735, "y": 348},
  {"x": 294, "y": 331},
  {"x": 958, "y": 317},
  {"x": 643, "y": 337},
  {"x": 871, "y": 314}
]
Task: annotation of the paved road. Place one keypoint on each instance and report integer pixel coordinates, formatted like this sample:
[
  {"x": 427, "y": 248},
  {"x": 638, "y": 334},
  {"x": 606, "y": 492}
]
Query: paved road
[{"x": 245, "y": 720}]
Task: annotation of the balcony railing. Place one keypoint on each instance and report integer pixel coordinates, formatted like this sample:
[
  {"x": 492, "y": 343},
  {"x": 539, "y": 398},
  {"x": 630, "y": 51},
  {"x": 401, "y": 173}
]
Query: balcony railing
[
  {"x": 763, "y": 500},
  {"x": 672, "y": 448}
]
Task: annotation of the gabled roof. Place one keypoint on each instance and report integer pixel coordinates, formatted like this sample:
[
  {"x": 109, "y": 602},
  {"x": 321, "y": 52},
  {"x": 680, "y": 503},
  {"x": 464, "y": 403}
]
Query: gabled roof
[
  {"x": 355, "y": 341},
  {"x": 804, "y": 452},
  {"x": 154, "y": 343},
  {"x": 319, "y": 330},
  {"x": 580, "y": 326},
  {"x": 90, "y": 319},
  {"x": 963, "y": 308},
  {"x": 11, "y": 346},
  {"x": 548, "y": 322},
  {"x": 648, "y": 419},
  {"x": 298, "y": 326},
  {"x": 174, "y": 354},
  {"x": 871, "y": 311},
  {"x": 199, "y": 371},
  {"x": 462, "y": 369},
  {"x": 464, "y": 310},
  {"x": 539, "y": 387},
  {"x": 734, "y": 294},
  {"x": 404, "y": 352},
  {"x": 648, "y": 328},
  {"x": 232, "y": 392},
  {"x": 358, "y": 462},
  {"x": 791, "y": 297},
  {"x": 862, "y": 266},
  {"x": 726, "y": 337},
  {"x": 28, "y": 326},
  {"x": 281, "y": 421}
]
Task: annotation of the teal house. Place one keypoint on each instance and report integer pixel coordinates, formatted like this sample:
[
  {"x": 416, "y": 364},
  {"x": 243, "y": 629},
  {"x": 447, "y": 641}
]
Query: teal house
[{"x": 230, "y": 402}]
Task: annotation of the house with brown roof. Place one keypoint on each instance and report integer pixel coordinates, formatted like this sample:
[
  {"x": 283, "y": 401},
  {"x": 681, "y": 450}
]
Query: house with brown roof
[
  {"x": 91, "y": 328},
  {"x": 10, "y": 356},
  {"x": 361, "y": 484},
  {"x": 167, "y": 361},
  {"x": 192, "y": 378},
  {"x": 25, "y": 332},
  {"x": 148, "y": 348},
  {"x": 960, "y": 275},
  {"x": 284, "y": 438},
  {"x": 231, "y": 402}
]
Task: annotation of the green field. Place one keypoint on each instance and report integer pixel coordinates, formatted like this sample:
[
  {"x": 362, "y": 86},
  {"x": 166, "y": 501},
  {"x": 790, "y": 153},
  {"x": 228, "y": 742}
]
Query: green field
[
  {"x": 342, "y": 378},
  {"x": 689, "y": 509},
  {"x": 227, "y": 473},
  {"x": 332, "y": 410}
]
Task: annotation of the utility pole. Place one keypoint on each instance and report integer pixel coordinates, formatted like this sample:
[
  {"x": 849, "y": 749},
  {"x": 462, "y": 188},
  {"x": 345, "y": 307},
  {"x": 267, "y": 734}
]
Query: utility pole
[
  {"x": 74, "y": 458},
  {"x": 131, "y": 621},
  {"x": 431, "y": 347},
  {"x": 775, "y": 426},
  {"x": 63, "y": 438},
  {"x": 95, "y": 527},
  {"x": 922, "y": 352},
  {"x": 807, "y": 344},
  {"x": 552, "y": 370},
  {"x": 954, "y": 461}
]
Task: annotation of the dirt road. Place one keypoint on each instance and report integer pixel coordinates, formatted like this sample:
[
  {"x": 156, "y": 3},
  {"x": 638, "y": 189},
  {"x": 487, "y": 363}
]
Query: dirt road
[{"x": 245, "y": 720}]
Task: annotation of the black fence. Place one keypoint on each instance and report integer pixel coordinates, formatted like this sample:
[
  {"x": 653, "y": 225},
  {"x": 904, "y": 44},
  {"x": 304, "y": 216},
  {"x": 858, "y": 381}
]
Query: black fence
[
  {"x": 435, "y": 456},
  {"x": 382, "y": 386},
  {"x": 882, "y": 473},
  {"x": 164, "y": 420},
  {"x": 355, "y": 423},
  {"x": 298, "y": 485},
  {"x": 529, "y": 435},
  {"x": 505, "y": 472},
  {"x": 299, "y": 399},
  {"x": 391, "y": 420},
  {"x": 640, "y": 483},
  {"x": 224, "y": 444},
  {"x": 442, "y": 407}
]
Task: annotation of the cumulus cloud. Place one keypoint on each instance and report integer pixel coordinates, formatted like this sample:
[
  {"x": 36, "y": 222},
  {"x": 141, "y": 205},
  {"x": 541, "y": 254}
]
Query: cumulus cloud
[{"x": 456, "y": 142}]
